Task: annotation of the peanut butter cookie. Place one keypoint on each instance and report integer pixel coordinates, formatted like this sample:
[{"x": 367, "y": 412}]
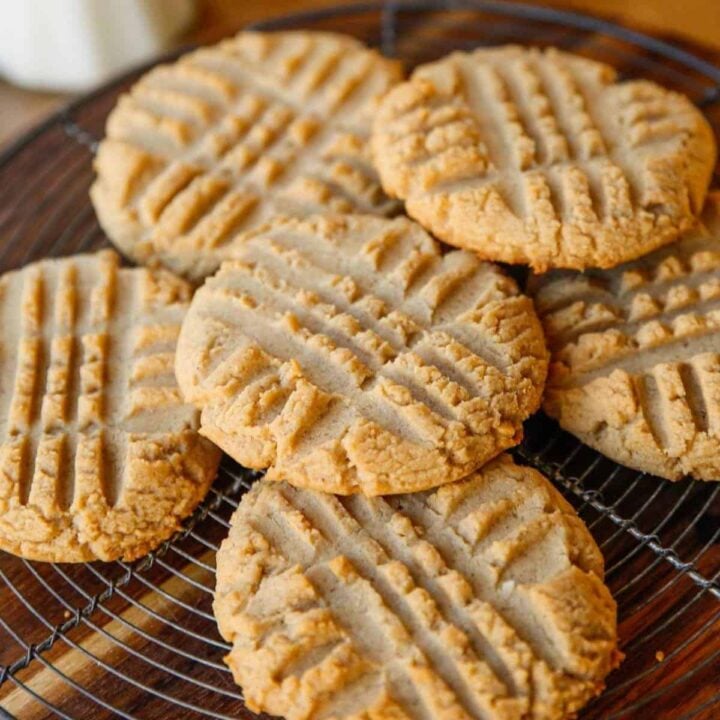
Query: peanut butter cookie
[
  {"x": 100, "y": 457},
  {"x": 481, "y": 599},
  {"x": 635, "y": 369},
  {"x": 349, "y": 354},
  {"x": 228, "y": 136},
  {"x": 543, "y": 157}
]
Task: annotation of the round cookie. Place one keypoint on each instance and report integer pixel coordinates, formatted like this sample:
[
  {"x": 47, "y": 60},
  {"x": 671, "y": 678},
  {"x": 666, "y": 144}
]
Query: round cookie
[
  {"x": 543, "y": 157},
  {"x": 635, "y": 367},
  {"x": 349, "y": 354},
  {"x": 480, "y": 599},
  {"x": 100, "y": 457},
  {"x": 231, "y": 135}
]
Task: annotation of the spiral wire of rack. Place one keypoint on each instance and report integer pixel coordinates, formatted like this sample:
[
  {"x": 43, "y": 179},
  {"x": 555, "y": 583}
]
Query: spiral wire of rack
[{"x": 143, "y": 637}]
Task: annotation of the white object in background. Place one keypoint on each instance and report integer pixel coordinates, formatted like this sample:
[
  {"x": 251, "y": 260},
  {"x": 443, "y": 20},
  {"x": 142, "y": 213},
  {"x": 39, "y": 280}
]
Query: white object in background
[{"x": 76, "y": 44}]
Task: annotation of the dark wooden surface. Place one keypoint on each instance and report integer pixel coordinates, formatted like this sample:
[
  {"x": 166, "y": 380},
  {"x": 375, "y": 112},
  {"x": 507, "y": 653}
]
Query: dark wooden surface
[
  {"x": 692, "y": 20},
  {"x": 152, "y": 644}
]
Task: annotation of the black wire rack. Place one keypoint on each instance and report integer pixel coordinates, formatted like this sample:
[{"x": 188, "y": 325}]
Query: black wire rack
[{"x": 139, "y": 641}]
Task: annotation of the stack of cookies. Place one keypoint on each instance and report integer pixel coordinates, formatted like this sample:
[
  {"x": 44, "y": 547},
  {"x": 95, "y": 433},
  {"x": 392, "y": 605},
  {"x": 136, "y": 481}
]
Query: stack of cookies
[{"x": 393, "y": 563}]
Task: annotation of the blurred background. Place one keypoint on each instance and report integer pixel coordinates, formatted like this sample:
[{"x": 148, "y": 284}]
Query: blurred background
[{"x": 52, "y": 50}]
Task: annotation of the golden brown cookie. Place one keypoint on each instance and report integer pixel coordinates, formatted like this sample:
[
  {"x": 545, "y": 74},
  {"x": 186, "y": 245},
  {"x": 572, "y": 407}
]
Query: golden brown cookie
[
  {"x": 348, "y": 354},
  {"x": 100, "y": 457},
  {"x": 543, "y": 158},
  {"x": 635, "y": 369},
  {"x": 228, "y": 136},
  {"x": 481, "y": 599}
]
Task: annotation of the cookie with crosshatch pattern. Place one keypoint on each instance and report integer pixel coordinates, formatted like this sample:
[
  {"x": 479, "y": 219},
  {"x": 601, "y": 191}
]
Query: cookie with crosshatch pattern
[
  {"x": 635, "y": 367},
  {"x": 481, "y": 599},
  {"x": 350, "y": 354},
  {"x": 543, "y": 157},
  {"x": 228, "y": 136},
  {"x": 100, "y": 457}
]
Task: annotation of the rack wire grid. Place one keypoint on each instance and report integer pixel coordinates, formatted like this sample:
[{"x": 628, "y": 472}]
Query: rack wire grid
[{"x": 139, "y": 640}]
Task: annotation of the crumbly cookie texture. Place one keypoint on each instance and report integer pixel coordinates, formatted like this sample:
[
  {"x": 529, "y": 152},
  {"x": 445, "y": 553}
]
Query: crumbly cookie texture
[
  {"x": 349, "y": 354},
  {"x": 483, "y": 598},
  {"x": 543, "y": 158},
  {"x": 228, "y": 136},
  {"x": 100, "y": 457},
  {"x": 635, "y": 367}
]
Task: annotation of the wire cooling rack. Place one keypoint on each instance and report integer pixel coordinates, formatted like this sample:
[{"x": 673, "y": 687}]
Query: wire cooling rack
[{"x": 139, "y": 641}]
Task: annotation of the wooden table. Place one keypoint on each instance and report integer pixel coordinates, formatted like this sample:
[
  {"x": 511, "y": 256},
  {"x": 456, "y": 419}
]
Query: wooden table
[
  {"x": 142, "y": 607},
  {"x": 690, "y": 20}
]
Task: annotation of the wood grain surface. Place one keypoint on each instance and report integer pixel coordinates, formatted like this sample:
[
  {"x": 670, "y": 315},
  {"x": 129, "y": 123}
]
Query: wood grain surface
[
  {"x": 141, "y": 640},
  {"x": 695, "y": 21}
]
